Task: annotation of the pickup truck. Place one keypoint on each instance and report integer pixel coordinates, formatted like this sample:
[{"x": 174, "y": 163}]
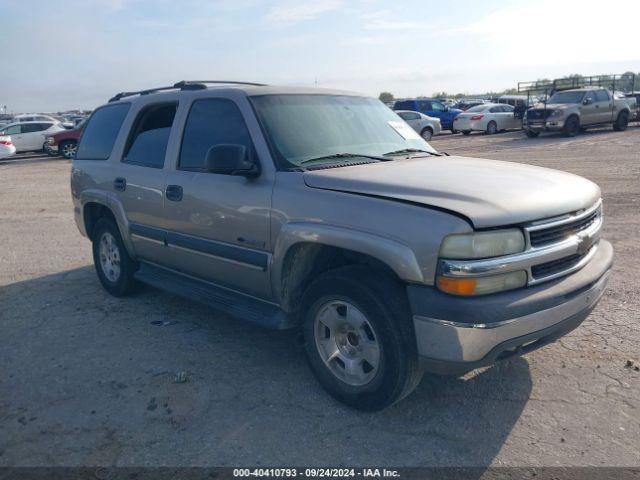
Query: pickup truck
[
  {"x": 572, "y": 111},
  {"x": 323, "y": 211}
]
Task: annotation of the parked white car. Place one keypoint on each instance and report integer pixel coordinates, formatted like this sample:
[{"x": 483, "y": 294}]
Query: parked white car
[
  {"x": 490, "y": 118},
  {"x": 31, "y": 117},
  {"x": 424, "y": 125},
  {"x": 7, "y": 148},
  {"x": 28, "y": 136}
]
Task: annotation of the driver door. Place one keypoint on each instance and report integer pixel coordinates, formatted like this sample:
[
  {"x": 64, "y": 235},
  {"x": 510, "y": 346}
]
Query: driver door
[{"x": 589, "y": 111}]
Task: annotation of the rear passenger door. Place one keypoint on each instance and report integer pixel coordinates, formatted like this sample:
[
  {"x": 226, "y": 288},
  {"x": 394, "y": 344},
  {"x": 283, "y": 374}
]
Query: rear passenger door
[
  {"x": 139, "y": 179},
  {"x": 218, "y": 224},
  {"x": 604, "y": 106}
]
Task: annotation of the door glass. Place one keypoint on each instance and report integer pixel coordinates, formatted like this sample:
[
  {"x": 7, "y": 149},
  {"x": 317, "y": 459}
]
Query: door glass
[
  {"x": 147, "y": 144},
  {"x": 13, "y": 130},
  {"x": 437, "y": 106},
  {"x": 211, "y": 121},
  {"x": 601, "y": 96}
]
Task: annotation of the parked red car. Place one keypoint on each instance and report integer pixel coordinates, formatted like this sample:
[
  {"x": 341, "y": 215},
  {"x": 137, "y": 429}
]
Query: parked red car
[{"x": 64, "y": 143}]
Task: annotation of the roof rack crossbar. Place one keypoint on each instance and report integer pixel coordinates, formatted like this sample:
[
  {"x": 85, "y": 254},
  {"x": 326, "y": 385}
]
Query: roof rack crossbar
[{"x": 623, "y": 81}]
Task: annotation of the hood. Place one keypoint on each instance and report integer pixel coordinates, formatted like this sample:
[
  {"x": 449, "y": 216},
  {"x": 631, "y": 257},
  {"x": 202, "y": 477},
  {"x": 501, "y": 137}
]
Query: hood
[
  {"x": 555, "y": 106},
  {"x": 489, "y": 193}
]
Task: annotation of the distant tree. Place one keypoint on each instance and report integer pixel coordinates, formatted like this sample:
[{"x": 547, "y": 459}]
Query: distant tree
[{"x": 386, "y": 97}]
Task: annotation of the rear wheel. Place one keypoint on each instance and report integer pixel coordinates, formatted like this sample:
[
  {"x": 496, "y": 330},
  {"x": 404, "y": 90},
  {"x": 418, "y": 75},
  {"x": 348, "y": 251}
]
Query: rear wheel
[
  {"x": 571, "y": 126},
  {"x": 426, "y": 133},
  {"x": 492, "y": 128},
  {"x": 113, "y": 265},
  {"x": 68, "y": 149},
  {"x": 359, "y": 338},
  {"x": 532, "y": 133},
  {"x": 621, "y": 122}
]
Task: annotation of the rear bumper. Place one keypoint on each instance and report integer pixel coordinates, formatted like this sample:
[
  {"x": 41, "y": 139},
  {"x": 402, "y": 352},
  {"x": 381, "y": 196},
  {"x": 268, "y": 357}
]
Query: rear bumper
[{"x": 455, "y": 334}]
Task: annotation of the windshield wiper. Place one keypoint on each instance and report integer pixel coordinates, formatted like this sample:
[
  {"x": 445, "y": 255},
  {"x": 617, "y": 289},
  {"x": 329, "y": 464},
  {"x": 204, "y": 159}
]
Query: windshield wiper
[
  {"x": 344, "y": 155},
  {"x": 412, "y": 150}
]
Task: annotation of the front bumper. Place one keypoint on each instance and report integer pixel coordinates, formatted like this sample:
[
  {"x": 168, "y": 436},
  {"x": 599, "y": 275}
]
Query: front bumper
[
  {"x": 458, "y": 334},
  {"x": 551, "y": 125}
]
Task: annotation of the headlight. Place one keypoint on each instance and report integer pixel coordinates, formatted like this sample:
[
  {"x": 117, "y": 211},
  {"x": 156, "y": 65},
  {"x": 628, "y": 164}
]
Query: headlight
[
  {"x": 50, "y": 140},
  {"x": 482, "y": 244},
  {"x": 557, "y": 113}
]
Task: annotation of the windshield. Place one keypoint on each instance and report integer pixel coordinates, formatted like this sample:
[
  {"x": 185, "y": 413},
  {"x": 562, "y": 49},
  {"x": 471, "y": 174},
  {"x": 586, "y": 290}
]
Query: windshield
[
  {"x": 304, "y": 127},
  {"x": 566, "y": 97}
]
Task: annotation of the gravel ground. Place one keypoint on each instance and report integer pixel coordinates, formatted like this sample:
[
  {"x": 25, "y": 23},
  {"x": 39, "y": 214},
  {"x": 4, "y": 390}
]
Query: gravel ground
[{"x": 87, "y": 379}]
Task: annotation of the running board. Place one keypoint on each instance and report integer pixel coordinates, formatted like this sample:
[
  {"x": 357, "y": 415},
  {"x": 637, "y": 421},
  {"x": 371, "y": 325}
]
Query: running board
[{"x": 235, "y": 304}]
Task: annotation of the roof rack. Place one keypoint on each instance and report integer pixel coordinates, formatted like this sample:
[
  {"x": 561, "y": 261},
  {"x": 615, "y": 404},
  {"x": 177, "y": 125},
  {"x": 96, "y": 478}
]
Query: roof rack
[
  {"x": 183, "y": 85},
  {"x": 613, "y": 82}
]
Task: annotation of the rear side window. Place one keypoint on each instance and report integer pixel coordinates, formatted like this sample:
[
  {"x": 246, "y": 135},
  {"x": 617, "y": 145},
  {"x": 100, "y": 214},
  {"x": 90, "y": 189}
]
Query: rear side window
[
  {"x": 32, "y": 127},
  {"x": 404, "y": 105},
  {"x": 211, "y": 122},
  {"x": 147, "y": 143},
  {"x": 101, "y": 132},
  {"x": 602, "y": 96}
]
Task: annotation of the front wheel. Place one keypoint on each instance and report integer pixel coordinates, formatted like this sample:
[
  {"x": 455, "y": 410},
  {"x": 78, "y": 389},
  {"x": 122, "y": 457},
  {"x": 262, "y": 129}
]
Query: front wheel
[
  {"x": 571, "y": 127},
  {"x": 466, "y": 132},
  {"x": 621, "y": 122},
  {"x": 359, "y": 338},
  {"x": 532, "y": 133}
]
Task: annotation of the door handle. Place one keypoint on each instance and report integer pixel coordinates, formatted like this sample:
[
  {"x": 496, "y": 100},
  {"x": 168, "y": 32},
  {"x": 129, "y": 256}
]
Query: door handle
[
  {"x": 120, "y": 184},
  {"x": 174, "y": 193}
]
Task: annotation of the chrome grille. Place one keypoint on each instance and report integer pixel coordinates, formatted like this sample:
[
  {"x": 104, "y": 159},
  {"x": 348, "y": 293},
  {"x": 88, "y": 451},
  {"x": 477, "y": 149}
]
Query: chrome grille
[
  {"x": 556, "y": 266},
  {"x": 546, "y": 236}
]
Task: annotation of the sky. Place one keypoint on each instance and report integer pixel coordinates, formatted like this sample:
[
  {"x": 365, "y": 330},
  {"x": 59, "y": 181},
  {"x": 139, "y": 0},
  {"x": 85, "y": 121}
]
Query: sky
[{"x": 69, "y": 54}]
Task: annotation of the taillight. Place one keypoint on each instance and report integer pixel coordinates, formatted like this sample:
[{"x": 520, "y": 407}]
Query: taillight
[
  {"x": 477, "y": 117},
  {"x": 5, "y": 142}
]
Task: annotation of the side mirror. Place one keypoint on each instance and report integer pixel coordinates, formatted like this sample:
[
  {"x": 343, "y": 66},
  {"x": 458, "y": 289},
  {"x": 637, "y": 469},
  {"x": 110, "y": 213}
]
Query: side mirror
[
  {"x": 230, "y": 159},
  {"x": 587, "y": 101}
]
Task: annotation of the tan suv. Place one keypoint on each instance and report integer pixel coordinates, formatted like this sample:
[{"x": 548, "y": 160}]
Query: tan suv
[
  {"x": 570, "y": 111},
  {"x": 323, "y": 211}
]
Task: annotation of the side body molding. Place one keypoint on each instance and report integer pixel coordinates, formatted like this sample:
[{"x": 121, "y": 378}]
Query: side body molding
[{"x": 396, "y": 255}]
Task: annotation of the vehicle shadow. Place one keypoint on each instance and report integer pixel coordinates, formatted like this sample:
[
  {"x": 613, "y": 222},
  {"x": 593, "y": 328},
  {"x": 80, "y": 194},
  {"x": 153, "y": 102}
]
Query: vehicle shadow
[{"x": 156, "y": 380}]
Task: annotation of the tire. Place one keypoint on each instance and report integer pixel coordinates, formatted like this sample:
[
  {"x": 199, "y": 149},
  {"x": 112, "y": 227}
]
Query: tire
[
  {"x": 466, "y": 132},
  {"x": 492, "y": 128},
  {"x": 113, "y": 265},
  {"x": 571, "y": 126},
  {"x": 68, "y": 149},
  {"x": 622, "y": 122},
  {"x": 389, "y": 370},
  {"x": 532, "y": 133},
  {"x": 453, "y": 130},
  {"x": 426, "y": 134},
  {"x": 50, "y": 152}
]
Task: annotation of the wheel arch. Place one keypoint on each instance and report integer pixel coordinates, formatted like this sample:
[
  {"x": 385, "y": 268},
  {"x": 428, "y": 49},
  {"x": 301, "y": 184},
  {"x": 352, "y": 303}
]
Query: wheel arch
[
  {"x": 303, "y": 251},
  {"x": 96, "y": 205}
]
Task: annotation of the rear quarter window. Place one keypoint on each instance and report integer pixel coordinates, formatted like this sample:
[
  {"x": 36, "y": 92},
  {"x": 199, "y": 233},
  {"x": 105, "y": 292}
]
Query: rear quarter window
[{"x": 101, "y": 132}]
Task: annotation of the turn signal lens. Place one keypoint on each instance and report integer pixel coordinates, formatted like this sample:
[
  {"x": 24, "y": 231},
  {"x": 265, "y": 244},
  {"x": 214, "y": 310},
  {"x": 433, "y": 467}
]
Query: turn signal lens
[{"x": 482, "y": 285}]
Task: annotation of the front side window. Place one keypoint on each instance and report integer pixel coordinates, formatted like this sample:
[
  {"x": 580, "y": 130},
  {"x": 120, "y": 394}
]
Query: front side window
[
  {"x": 305, "y": 127},
  {"x": 211, "y": 122},
  {"x": 147, "y": 143},
  {"x": 101, "y": 132},
  {"x": 437, "y": 106}
]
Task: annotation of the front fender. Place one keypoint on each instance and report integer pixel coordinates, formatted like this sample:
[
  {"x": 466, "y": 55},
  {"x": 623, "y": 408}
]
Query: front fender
[{"x": 396, "y": 255}]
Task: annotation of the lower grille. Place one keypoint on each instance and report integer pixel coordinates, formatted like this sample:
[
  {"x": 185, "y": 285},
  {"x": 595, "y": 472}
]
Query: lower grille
[
  {"x": 538, "y": 114},
  {"x": 556, "y": 266}
]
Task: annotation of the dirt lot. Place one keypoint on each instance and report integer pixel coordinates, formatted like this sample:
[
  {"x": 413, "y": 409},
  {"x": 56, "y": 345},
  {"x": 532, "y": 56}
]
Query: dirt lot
[{"x": 87, "y": 379}]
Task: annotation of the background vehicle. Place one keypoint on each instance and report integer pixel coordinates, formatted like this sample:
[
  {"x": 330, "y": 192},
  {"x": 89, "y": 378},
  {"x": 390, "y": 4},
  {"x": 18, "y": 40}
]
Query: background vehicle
[
  {"x": 569, "y": 111},
  {"x": 489, "y": 117},
  {"x": 6, "y": 146},
  {"x": 320, "y": 210},
  {"x": 30, "y": 136},
  {"x": 466, "y": 104},
  {"x": 30, "y": 117},
  {"x": 432, "y": 108},
  {"x": 424, "y": 125},
  {"x": 518, "y": 100},
  {"x": 64, "y": 143},
  {"x": 633, "y": 99}
]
